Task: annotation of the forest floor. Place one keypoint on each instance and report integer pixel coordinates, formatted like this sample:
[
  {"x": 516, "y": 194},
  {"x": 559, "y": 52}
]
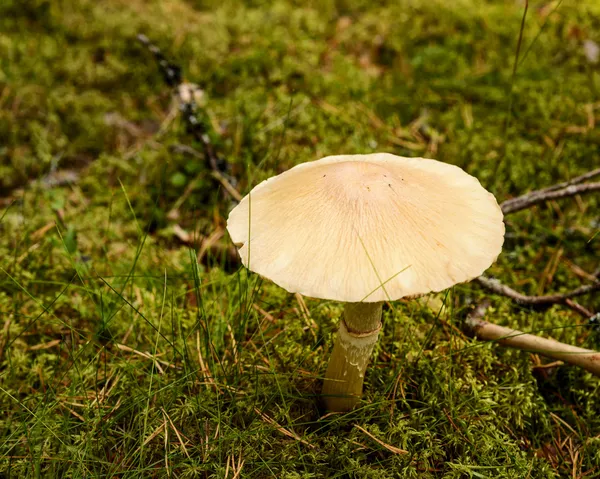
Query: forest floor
[{"x": 132, "y": 342}]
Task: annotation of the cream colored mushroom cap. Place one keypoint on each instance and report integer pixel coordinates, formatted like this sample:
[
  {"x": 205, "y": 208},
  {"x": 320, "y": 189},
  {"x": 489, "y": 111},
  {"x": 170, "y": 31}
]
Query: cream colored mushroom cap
[{"x": 368, "y": 227}]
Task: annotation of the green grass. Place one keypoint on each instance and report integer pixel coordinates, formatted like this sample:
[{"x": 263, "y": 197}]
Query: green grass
[{"x": 122, "y": 355}]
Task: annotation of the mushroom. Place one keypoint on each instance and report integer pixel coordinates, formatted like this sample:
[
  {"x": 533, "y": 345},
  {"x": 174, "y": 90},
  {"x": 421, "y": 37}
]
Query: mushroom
[{"x": 365, "y": 229}]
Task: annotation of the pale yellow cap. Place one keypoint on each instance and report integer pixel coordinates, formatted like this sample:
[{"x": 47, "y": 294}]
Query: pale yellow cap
[{"x": 368, "y": 227}]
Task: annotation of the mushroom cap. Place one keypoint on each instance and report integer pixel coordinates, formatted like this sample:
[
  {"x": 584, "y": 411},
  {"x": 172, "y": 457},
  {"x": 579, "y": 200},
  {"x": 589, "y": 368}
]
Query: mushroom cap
[{"x": 366, "y": 228}]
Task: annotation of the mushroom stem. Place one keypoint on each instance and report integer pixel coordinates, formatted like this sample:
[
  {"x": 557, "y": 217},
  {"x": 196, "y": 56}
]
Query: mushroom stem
[{"x": 357, "y": 335}]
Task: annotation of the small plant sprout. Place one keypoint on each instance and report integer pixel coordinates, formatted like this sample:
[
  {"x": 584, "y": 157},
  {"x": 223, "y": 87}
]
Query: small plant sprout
[{"x": 365, "y": 229}]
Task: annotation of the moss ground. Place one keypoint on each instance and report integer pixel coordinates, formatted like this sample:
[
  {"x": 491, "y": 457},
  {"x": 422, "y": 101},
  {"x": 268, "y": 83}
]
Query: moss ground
[{"x": 124, "y": 352}]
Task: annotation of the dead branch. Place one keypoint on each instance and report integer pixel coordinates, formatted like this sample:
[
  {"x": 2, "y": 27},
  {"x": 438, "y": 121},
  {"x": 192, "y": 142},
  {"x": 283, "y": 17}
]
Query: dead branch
[
  {"x": 574, "y": 181},
  {"x": 565, "y": 189},
  {"x": 559, "y": 190},
  {"x": 497, "y": 287},
  {"x": 578, "y": 308},
  {"x": 189, "y": 95},
  {"x": 481, "y": 329},
  {"x": 216, "y": 173},
  {"x": 547, "y": 194}
]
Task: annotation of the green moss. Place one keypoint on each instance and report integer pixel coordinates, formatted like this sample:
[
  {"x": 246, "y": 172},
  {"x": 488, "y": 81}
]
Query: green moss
[{"x": 122, "y": 355}]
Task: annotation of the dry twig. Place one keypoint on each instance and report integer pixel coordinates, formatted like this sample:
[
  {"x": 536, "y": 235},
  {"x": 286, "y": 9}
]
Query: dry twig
[
  {"x": 177, "y": 433},
  {"x": 540, "y": 196},
  {"x": 394, "y": 449},
  {"x": 565, "y": 189},
  {"x": 574, "y": 181},
  {"x": 560, "y": 190},
  {"x": 584, "y": 358},
  {"x": 188, "y": 96},
  {"x": 225, "y": 180},
  {"x": 497, "y": 287},
  {"x": 586, "y": 313},
  {"x": 281, "y": 429}
]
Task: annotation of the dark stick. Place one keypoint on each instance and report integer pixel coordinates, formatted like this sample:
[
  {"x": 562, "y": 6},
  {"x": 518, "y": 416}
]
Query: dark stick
[
  {"x": 193, "y": 117},
  {"x": 171, "y": 72},
  {"x": 551, "y": 193},
  {"x": 575, "y": 181},
  {"x": 497, "y": 287},
  {"x": 565, "y": 189},
  {"x": 586, "y": 313},
  {"x": 572, "y": 187},
  {"x": 222, "y": 178}
]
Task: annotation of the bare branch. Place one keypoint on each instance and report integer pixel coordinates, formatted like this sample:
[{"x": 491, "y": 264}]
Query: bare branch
[
  {"x": 574, "y": 181},
  {"x": 529, "y": 199},
  {"x": 190, "y": 98},
  {"x": 224, "y": 180},
  {"x": 578, "y": 308},
  {"x": 584, "y": 358},
  {"x": 497, "y": 287}
]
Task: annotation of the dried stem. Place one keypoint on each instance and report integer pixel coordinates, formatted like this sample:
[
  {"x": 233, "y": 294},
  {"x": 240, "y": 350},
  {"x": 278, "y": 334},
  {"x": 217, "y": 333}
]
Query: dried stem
[
  {"x": 226, "y": 183},
  {"x": 551, "y": 193},
  {"x": 565, "y": 189},
  {"x": 216, "y": 173},
  {"x": 193, "y": 117},
  {"x": 497, "y": 287},
  {"x": 574, "y": 181},
  {"x": 578, "y": 308},
  {"x": 584, "y": 358}
]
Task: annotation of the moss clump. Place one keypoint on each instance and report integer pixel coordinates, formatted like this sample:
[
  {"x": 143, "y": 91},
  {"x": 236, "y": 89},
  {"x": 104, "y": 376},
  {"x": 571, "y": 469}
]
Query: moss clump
[{"x": 125, "y": 352}]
